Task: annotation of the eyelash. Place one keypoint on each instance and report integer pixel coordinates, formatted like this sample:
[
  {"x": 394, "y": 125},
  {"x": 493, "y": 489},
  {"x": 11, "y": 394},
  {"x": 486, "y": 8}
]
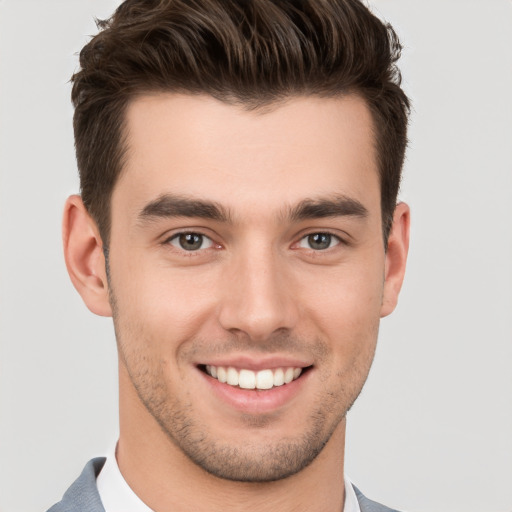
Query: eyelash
[
  {"x": 184, "y": 234},
  {"x": 211, "y": 244},
  {"x": 332, "y": 238}
]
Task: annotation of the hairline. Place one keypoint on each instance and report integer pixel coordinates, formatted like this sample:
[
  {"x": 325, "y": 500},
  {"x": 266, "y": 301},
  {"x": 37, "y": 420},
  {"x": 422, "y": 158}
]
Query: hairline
[{"x": 257, "y": 106}]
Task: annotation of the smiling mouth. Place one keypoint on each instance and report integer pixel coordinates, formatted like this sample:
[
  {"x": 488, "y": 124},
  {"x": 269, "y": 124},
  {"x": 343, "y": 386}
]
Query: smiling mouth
[{"x": 248, "y": 379}]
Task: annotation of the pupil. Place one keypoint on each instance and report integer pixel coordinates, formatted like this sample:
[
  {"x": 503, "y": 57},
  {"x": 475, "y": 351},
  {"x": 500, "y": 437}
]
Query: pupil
[
  {"x": 319, "y": 241},
  {"x": 191, "y": 241}
]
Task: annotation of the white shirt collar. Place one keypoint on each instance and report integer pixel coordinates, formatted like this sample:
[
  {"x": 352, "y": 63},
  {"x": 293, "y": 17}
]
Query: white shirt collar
[
  {"x": 117, "y": 496},
  {"x": 351, "y": 503}
]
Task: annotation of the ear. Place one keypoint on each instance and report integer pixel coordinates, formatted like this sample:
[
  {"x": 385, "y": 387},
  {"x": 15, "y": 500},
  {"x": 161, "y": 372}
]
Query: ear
[
  {"x": 396, "y": 258},
  {"x": 83, "y": 252}
]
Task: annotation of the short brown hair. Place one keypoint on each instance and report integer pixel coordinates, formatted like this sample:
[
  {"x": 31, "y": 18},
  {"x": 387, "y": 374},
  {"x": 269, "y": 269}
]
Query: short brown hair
[{"x": 247, "y": 52}]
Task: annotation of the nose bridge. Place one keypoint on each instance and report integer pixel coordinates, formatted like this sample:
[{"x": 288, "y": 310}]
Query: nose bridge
[{"x": 257, "y": 298}]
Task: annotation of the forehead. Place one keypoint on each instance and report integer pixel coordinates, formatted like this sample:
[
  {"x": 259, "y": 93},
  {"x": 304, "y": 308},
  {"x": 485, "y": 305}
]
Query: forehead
[{"x": 201, "y": 147}]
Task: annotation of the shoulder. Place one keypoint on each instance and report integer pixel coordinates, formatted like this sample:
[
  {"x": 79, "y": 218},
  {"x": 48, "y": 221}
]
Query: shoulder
[
  {"x": 368, "y": 505},
  {"x": 83, "y": 495}
]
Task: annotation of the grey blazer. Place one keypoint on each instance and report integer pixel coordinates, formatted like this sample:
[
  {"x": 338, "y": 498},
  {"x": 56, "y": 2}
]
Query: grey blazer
[{"x": 83, "y": 495}]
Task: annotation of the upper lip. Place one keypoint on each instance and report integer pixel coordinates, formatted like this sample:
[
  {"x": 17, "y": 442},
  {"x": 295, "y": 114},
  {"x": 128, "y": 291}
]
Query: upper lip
[{"x": 258, "y": 363}]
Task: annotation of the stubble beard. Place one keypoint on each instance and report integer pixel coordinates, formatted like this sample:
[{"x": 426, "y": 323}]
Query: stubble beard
[{"x": 249, "y": 462}]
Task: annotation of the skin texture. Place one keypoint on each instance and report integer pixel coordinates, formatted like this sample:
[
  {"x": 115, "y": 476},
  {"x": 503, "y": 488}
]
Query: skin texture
[{"x": 256, "y": 293}]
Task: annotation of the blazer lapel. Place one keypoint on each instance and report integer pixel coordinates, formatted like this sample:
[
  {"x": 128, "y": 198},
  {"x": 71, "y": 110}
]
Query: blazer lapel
[
  {"x": 83, "y": 495},
  {"x": 367, "y": 505}
]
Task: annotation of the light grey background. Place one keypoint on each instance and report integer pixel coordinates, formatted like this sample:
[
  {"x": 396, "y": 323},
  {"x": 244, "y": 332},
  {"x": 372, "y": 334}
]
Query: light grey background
[{"x": 432, "y": 430}]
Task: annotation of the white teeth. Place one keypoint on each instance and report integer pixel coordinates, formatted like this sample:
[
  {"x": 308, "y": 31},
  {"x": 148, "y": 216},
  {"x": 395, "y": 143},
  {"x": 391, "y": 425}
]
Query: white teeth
[
  {"x": 221, "y": 374},
  {"x": 279, "y": 377},
  {"x": 247, "y": 379},
  {"x": 265, "y": 379},
  {"x": 232, "y": 377}
]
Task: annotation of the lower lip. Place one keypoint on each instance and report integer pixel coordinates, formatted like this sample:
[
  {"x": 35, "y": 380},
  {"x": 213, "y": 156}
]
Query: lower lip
[{"x": 256, "y": 401}]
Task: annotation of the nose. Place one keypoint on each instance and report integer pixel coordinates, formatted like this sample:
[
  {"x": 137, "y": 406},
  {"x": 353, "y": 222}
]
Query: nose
[{"x": 258, "y": 296}]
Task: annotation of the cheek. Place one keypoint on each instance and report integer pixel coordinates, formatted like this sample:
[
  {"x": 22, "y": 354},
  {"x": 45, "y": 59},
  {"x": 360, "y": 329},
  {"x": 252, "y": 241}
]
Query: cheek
[
  {"x": 345, "y": 309},
  {"x": 348, "y": 296},
  {"x": 168, "y": 305}
]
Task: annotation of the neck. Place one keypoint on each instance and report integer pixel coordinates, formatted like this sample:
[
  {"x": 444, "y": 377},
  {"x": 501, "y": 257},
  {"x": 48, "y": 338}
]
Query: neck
[{"x": 165, "y": 479}]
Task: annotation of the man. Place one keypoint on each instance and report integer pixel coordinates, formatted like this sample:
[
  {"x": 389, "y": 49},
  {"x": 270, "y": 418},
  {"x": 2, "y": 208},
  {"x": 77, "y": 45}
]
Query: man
[{"x": 239, "y": 166}]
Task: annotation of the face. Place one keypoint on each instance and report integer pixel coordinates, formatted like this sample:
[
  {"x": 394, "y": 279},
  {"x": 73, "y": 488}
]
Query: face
[{"x": 247, "y": 276}]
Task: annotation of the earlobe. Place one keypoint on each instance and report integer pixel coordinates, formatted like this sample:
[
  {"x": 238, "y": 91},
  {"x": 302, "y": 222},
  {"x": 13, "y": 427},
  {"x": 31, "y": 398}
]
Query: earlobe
[
  {"x": 396, "y": 258},
  {"x": 83, "y": 252}
]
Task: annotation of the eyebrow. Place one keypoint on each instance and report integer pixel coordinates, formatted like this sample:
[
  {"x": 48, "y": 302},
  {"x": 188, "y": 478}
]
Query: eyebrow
[
  {"x": 168, "y": 205},
  {"x": 334, "y": 206}
]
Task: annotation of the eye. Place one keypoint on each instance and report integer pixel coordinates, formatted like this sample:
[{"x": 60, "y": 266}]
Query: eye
[
  {"x": 191, "y": 241},
  {"x": 319, "y": 241}
]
